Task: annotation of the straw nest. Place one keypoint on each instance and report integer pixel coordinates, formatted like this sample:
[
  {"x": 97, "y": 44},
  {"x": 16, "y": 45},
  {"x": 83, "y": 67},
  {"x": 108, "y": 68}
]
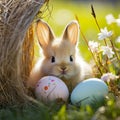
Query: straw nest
[{"x": 16, "y": 48}]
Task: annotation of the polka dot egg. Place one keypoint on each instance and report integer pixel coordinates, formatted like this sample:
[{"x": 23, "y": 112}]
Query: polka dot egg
[{"x": 50, "y": 88}]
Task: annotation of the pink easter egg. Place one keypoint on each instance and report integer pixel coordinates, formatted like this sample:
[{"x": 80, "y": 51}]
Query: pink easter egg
[{"x": 50, "y": 88}]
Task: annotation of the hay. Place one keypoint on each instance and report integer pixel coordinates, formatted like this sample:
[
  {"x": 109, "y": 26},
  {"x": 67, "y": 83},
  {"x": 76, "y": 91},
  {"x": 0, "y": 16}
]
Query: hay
[{"x": 16, "y": 48}]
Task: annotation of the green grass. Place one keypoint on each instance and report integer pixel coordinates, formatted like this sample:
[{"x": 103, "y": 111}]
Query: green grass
[
  {"x": 58, "y": 20},
  {"x": 110, "y": 111},
  {"x": 26, "y": 113}
]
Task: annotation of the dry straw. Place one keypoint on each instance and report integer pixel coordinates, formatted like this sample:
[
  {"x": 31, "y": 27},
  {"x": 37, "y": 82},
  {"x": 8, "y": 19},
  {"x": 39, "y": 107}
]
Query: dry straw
[{"x": 16, "y": 48}]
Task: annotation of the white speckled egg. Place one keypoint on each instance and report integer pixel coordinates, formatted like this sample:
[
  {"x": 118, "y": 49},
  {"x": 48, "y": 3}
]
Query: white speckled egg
[
  {"x": 50, "y": 88},
  {"x": 89, "y": 92}
]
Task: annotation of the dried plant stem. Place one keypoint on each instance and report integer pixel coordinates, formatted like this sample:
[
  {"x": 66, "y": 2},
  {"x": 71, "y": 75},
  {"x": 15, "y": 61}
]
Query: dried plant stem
[
  {"x": 115, "y": 51},
  {"x": 101, "y": 65},
  {"x": 97, "y": 23},
  {"x": 105, "y": 42},
  {"x": 95, "y": 18},
  {"x": 86, "y": 41},
  {"x": 99, "y": 29},
  {"x": 91, "y": 52}
]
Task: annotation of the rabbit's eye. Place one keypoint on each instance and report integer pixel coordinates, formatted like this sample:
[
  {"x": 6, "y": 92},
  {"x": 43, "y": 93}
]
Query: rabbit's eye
[
  {"x": 71, "y": 58},
  {"x": 53, "y": 59}
]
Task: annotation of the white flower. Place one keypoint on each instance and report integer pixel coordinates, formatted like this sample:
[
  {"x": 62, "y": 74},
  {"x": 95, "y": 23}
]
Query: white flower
[
  {"x": 118, "y": 39},
  {"x": 109, "y": 76},
  {"x": 110, "y": 19},
  {"x": 93, "y": 46},
  {"x": 107, "y": 51},
  {"x": 104, "y": 34},
  {"x": 118, "y": 21}
]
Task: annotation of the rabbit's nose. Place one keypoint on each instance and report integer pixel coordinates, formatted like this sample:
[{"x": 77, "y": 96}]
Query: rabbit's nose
[{"x": 63, "y": 68}]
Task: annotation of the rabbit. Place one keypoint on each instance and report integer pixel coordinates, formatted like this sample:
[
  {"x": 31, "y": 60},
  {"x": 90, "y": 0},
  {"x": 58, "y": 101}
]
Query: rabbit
[{"x": 61, "y": 57}]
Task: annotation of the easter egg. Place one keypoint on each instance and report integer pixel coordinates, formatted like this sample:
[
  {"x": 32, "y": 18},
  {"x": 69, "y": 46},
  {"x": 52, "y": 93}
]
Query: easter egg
[
  {"x": 89, "y": 92},
  {"x": 50, "y": 88}
]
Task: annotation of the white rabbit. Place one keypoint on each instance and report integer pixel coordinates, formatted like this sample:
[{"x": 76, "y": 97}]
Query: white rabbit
[{"x": 60, "y": 56}]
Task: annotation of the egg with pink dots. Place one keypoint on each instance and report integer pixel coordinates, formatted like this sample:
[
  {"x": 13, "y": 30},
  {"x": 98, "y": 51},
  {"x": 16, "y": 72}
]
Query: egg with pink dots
[{"x": 50, "y": 88}]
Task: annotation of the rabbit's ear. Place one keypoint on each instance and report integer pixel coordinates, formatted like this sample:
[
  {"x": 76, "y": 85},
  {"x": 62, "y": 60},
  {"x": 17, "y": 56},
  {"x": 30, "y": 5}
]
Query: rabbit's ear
[
  {"x": 44, "y": 33},
  {"x": 71, "y": 32}
]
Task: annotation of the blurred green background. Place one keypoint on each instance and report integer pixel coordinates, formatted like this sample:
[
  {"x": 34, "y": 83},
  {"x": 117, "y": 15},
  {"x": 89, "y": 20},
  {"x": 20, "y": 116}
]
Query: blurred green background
[{"x": 58, "y": 13}]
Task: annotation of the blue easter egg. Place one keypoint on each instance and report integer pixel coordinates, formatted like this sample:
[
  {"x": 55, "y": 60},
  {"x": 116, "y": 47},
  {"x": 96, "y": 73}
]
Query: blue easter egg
[{"x": 89, "y": 92}]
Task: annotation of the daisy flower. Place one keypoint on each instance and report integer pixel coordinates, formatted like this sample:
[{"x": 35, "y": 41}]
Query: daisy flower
[
  {"x": 107, "y": 51},
  {"x": 110, "y": 19},
  {"x": 104, "y": 34},
  {"x": 118, "y": 39},
  {"x": 93, "y": 46},
  {"x": 109, "y": 76},
  {"x": 118, "y": 21}
]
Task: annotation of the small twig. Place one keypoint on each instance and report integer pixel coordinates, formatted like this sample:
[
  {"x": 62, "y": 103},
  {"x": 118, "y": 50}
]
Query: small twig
[
  {"x": 95, "y": 18},
  {"x": 115, "y": 51},
  {"x": 86, "y": 41},
  {"x": 101, "y": 64}
]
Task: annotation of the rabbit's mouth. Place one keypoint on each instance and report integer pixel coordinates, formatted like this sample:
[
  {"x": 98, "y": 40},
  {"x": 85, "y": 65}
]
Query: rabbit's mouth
[
  {"x": 64, "y": 76},
  {"x": 61, "y": 76}
]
